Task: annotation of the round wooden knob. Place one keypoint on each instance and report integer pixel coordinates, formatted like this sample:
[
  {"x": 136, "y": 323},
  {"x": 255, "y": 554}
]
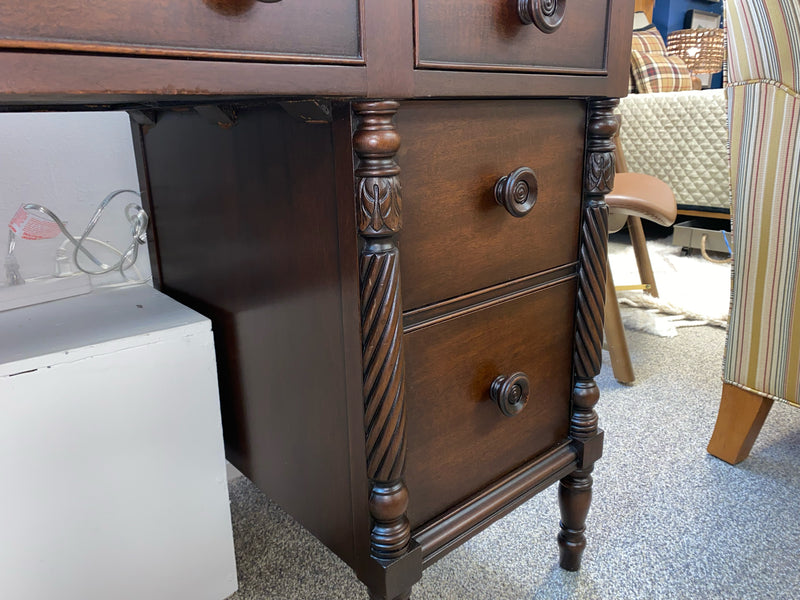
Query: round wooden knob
[
  {"x": 545, "y": 14},
  {"x": 510, "y": 393},
  {"x": 517, "y": 191}
]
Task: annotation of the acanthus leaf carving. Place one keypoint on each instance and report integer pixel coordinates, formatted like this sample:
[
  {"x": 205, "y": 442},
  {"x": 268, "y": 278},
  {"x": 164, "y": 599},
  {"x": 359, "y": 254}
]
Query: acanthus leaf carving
[
  {"x": 379, "y": 200},
  {"x": 600, "y": 169}
]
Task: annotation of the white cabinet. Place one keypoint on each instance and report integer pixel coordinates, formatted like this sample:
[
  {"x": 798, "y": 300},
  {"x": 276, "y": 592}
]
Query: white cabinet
[{"x": 111, "y": 454}]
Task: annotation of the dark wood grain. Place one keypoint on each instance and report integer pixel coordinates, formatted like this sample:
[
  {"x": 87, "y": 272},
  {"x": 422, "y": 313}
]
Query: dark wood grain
[
  {"x": 460, "y": 84},
  {"x": 311, "y": 31},
  {"x": 513, "y": 82},
  {"x": 474, "y": 34},
  {"x": 456, "y": 238},
  {"x": 575, "y": 490},
  {"x": 349, "y": 273},
  {"x": 388, "y": 29},
  {"x": 486, "y": 297},
  {"x": 101, "y": 82},
  {"x": 294, "y": 238},
  {"x": 448, "y": 530},
  {"x": 90, "y": 75},
  {"x": 599, "y": 173},
  {"x": 247, "y": 233},
  {"x": 380, "y": 218},
  {"x": 458, "y": 440}
]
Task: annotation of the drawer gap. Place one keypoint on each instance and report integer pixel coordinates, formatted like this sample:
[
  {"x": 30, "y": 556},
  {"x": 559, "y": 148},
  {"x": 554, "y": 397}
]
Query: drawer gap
[
  {"x": 510, "y": 68},
  {"x": 481, "y": 299}
]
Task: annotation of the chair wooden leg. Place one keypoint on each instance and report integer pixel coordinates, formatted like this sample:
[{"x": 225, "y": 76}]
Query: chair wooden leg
[
  {"x": 741, "y": 415},
  {"x": 615, "y": 335},
  {"x": 639, "y": 244}
]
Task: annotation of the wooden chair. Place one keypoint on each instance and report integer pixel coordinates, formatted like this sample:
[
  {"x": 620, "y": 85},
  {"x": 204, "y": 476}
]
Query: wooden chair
[{"x": 636, "y": 196}]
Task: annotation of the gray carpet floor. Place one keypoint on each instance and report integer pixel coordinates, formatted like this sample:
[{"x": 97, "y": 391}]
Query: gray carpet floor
[{"x": 667, "y": 520}]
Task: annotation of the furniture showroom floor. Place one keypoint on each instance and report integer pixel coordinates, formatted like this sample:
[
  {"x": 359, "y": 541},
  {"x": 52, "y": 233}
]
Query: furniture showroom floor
[{"x": 667, "y": 520}]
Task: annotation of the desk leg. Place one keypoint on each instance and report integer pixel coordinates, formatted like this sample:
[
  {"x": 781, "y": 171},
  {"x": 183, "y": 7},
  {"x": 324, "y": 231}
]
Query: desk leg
[
  {"x": 376, "y": 141},
  {"x": 575, "y": 490}
]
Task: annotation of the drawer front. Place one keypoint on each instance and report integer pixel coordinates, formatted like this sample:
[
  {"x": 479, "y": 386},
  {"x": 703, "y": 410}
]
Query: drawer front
[
  {"x": 458, "y": 439},
  {"x": 490, "y": 36},
  {"x": 314, "y": 31},
  {"x": 456, "y": 238}
]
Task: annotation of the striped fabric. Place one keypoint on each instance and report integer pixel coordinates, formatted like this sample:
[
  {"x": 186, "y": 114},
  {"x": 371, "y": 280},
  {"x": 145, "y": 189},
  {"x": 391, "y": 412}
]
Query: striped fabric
[
  {"x": 764, "y": 41},
  {"x": 659, "y": 73},
  {"x": 763, "y": 346}
]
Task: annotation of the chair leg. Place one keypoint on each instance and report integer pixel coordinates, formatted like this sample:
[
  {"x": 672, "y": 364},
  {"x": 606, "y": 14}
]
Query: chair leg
[
  {"x": 615, "y": 335},
  {"x": 741, "y": 415},
  {"x": 639, "y": 244}
]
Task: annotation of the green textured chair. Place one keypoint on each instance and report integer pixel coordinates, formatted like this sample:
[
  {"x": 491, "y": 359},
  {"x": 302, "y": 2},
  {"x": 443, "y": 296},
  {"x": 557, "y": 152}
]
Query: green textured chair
[{"x": 762, "y": 354}]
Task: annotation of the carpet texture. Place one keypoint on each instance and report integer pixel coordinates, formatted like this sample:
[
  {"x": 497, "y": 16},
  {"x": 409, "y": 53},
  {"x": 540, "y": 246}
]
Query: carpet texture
[{"x": 667, "y": 520}]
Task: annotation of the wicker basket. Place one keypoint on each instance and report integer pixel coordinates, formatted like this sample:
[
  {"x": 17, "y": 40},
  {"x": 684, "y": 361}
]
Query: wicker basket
[{"x": 703, "y": 50}]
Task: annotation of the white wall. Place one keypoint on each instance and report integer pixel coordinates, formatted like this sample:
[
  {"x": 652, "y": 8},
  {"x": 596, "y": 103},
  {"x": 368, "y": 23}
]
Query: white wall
[{"x": 67, "y": 162}]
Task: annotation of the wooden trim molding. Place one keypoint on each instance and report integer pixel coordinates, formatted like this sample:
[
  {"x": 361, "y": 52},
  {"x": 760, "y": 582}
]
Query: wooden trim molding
[
  {"x": 575, "y": 490},
  {"x": 379, "y": 219},
  {"x": 78, "y": 46},
  {"x": 446, "y": 532}
]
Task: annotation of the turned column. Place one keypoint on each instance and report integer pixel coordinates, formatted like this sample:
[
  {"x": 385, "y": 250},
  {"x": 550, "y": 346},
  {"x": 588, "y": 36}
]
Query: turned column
[
  {"x": 575, "y": 490},
  {"x": 375, "y": 142}
]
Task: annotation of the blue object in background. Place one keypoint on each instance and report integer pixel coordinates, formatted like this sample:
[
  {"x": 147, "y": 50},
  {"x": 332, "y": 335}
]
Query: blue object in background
[{"x": 670, "y": 15}]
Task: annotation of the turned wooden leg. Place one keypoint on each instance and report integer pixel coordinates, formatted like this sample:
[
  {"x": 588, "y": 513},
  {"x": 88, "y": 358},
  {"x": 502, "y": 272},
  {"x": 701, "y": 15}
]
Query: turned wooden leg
[
  {"x": 639, "y": 244},
  {"x": 574, "y": 498},
  {"x": 575, "y": 490},
  {"x": 741, "y": 415},
  {"x": 615, "y": 335}
]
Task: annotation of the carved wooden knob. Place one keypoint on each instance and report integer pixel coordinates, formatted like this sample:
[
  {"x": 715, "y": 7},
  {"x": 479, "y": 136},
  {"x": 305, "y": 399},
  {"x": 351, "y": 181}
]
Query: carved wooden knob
[
  {"x": 510, "y": 393},
  {"x": 545, "y": 14},
  {"x": 517, "y": 191}
]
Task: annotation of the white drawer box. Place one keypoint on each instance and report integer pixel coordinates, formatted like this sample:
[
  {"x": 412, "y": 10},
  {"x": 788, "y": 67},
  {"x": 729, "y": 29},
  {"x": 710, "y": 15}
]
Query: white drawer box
[{"x": 111, "y": 452}]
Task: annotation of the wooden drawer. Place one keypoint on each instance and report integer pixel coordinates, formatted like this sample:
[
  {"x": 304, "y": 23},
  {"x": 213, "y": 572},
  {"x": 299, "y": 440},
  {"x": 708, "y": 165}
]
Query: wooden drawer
[
  {"x": 456, "y": 238},
  {"x": 489, "y": 36},
  {"x": 314, "y": 31},
  {"x": 458, "y": 439}
]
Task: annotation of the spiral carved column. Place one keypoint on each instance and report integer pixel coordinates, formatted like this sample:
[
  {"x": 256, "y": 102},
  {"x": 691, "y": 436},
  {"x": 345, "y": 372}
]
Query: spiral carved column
[
  {"x": 575, "y": 490},
  {"x": 375, "y": 142}
]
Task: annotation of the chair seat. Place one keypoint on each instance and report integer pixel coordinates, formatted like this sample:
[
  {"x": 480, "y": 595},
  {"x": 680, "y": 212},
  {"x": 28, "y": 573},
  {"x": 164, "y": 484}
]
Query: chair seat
[{"x": 640, "y": 195}]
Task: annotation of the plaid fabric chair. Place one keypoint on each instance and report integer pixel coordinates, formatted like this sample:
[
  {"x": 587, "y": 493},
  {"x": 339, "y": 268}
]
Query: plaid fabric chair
[{"x": 762, "y": 358}]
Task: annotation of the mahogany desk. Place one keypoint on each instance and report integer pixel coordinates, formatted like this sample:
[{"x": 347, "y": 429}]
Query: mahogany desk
[{"x": 304, "y": 161}]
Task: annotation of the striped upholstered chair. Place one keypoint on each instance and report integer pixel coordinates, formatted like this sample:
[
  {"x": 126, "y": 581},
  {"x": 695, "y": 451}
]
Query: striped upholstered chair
[{"x": 762, "y": 358}]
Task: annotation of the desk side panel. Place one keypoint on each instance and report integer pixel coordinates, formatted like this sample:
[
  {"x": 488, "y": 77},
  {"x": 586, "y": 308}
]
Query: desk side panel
[{"x": 246, "y": 225}]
